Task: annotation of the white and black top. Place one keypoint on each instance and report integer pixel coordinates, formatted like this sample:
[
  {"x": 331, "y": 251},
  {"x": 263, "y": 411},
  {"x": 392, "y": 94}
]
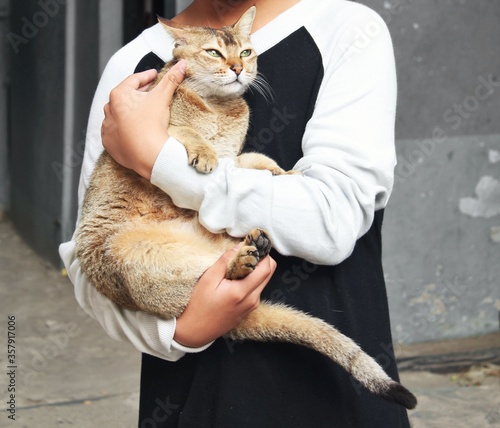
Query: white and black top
[{"x": 331, "y": 67}]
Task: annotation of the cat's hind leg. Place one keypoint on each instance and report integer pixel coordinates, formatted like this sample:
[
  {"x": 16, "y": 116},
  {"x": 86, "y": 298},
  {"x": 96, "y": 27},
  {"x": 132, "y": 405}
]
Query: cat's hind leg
[
  {"x": 158, "y": 264},
  {"x": 255, "y": 247},
  {"x": 253, "y": 160}
]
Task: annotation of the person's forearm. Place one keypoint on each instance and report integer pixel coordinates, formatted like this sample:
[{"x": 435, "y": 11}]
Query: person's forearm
[{"x": 237, "y": 200}]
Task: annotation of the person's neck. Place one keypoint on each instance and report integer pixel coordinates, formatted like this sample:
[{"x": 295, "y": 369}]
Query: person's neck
[{"x": 220, "y": 13}]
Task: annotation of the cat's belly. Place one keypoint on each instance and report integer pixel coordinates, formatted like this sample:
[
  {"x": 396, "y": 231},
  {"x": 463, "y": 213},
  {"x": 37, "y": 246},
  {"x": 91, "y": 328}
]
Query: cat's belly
[{"x": 192, "y": 229}]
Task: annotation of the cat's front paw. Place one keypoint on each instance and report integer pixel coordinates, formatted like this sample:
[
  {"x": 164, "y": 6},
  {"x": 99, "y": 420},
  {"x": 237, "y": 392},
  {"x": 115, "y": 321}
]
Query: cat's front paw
[
  {"x": 280, "y": 171},
  {"x": 256, "y": 246},
  {"x": 203, "y": 158}
]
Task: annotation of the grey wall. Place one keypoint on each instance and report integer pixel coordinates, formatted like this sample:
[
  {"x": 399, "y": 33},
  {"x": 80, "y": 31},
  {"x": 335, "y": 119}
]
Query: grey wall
[
  {"x": 56, "y": 50},
  {"x": 442, "y": 228},
  {"x": 36, "y": 43},
  {"x": 4, "y": 78},
  {"x": 53, "y": 49}
]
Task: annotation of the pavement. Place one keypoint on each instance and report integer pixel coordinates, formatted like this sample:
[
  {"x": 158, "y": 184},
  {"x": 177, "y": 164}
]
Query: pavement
[{"x": 62, "y": 370}]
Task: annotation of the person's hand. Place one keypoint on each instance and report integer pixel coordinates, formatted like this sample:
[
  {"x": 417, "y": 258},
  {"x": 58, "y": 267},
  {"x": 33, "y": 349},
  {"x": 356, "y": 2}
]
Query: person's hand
[
  {"x": 134, "y": 129},
  {"x": 218, "y": 305}
]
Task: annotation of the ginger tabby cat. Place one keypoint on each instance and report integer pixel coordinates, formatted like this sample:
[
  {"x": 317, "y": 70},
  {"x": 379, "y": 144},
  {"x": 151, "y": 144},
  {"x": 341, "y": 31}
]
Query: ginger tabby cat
[{"x": 146, "y": 254}]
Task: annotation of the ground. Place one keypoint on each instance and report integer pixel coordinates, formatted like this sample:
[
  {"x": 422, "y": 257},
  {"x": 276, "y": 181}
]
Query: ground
[{"x": 64, "y": 371}]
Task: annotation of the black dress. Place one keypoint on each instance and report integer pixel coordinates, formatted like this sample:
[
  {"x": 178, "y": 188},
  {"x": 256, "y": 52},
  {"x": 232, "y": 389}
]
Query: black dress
[{"x": 275, "y": 385}]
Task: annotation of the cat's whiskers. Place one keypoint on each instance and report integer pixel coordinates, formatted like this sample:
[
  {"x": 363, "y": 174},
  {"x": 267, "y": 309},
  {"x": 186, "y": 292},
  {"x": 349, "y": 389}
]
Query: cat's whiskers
[
  {"x": 260, "y": 85},
  {"x": 220, "y": 84}
]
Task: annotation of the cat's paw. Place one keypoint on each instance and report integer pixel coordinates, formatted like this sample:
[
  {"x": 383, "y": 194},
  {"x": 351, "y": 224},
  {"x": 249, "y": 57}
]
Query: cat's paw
[
  {"x": 293, "y": 172},
  {"x": 260, "y": 240},
  {"x": 280, "y": 171},
  {"x": 203, "y": 158},
  {"x": 256, "y": 246},
  {"x": 259, "y": 161}
]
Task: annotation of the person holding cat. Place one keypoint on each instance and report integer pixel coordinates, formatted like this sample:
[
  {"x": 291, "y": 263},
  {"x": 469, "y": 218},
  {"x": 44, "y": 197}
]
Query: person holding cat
[{"x": 332, "y": 117}]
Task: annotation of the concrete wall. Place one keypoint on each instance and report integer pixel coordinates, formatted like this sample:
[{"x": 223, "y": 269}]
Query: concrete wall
[
  {"x": 4, "y": 82},
  {"x": 442, "y": 228},
  {"x": 36, "y": 116},
  {"x": 54, "y": 63}
]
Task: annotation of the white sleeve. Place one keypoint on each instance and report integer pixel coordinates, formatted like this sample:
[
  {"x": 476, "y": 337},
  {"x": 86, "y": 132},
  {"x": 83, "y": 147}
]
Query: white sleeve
[
  {"x": 146, "y": 333},
  {"x": 348, "y": 162}
]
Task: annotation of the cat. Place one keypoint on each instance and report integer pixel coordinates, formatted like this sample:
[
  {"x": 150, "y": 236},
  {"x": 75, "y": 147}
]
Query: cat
[{"x": 144, "y": 253}]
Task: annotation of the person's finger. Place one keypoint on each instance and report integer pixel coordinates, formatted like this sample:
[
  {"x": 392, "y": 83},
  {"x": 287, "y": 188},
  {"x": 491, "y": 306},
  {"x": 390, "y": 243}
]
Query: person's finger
[
  {"x": 263, "y": 272},
  {"x": 170, "y": 82},
  {"x": 253, "y": 297},
  {"x": 220, "y": 266},
  {"x": 146, "y": 87},
  {"x": 250, "y": 287},
  {"x": 106, "y": 125},
  {"x": 106, "y": 110},
  {"x": 140, "y": 80}
]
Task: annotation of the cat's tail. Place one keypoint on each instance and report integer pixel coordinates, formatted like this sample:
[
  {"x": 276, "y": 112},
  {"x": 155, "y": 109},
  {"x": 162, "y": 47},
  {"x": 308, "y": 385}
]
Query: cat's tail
[{"x": 276, "y": 322}]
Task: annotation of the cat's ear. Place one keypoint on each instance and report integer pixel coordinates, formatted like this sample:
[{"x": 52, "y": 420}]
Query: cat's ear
[
  {"x": 244, "y": 24},
  {"x": 176, "y": 31}
]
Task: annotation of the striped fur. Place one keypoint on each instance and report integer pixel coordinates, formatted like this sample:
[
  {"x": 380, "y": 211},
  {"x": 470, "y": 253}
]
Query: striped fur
[{"x": 144, "y": 253}]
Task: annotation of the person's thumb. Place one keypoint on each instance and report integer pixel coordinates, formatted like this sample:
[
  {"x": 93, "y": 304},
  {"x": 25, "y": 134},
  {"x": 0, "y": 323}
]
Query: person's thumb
[
  {"x": 172, "y": 80},
  {"x": 220, "y": 266}
]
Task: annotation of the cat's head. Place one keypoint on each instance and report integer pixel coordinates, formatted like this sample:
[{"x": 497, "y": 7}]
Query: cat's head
[{"x": 219, "y": 62}]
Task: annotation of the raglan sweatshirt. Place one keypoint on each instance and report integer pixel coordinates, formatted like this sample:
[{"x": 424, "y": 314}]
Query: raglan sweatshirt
[
  {"x": 331, "y": 68},
  {"x": 347, "y": 162}
]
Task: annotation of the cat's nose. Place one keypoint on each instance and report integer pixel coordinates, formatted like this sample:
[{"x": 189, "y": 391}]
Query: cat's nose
[{"x": 237, "y": 68}]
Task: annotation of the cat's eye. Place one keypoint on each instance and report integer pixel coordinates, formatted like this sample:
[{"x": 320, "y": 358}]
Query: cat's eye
[
  {"x": 214, "y": 53},
  {"x": 245, "y": 53}
]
